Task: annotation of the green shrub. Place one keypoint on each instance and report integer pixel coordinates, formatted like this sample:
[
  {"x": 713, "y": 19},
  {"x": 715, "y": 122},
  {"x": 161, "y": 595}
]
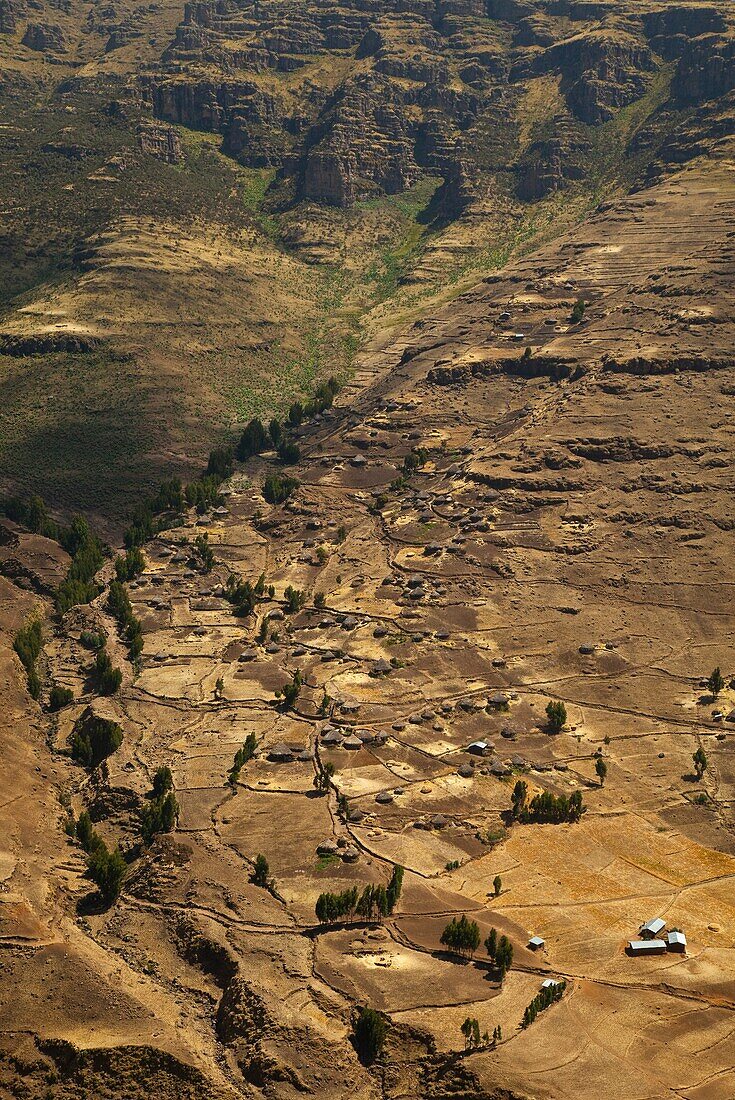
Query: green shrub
[{"x": 60, "y": 697}]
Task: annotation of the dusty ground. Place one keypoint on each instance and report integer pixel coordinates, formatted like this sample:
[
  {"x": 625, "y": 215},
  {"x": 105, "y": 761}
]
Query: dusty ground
[{"x": 578, "y": 497}]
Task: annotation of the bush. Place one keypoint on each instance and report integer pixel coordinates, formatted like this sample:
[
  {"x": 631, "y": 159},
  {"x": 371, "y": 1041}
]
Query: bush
[
  {"x": 92, "y": 639},
  {"x": 60, "y": 697}
]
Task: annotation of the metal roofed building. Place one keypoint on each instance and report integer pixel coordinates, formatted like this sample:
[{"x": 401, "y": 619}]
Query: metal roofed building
[
  {"x": 651, "y": 928},
  {"x": 647, "y": 947},
  {"x": 676, "y": 941},
  {"x": 536, "y": 943}
]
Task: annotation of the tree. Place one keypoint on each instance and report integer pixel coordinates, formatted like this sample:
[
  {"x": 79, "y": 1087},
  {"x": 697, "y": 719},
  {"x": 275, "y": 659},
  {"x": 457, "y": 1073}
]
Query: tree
[
  {"x": 276, "y": 431},
  {"x": 504, "y": 956},
  {"x": 261, "y": 871},
  {"x": 601, "y": 770},
  {"x": 289, "y": 693},
  {"x": 163, "y": 781},
  {"x": 471, "y": 1032},
  {"x": 491, "y": 943},
  {"x": 577, "y": 311},
  {"x": 253, "y": 440},
  {"x": 716, "y": 682},
  {"x": 84, "y": 830},
  {"x": 497, "y": 885},
  {"x": 394, "y": 887},
  {"x": 518, "y": 798},
  {"x": 556, "y": 713},
  {"x": 700, "y": 762},
  {"x": 107, "y": 870},
  {"x": 369, "y": 1034}
]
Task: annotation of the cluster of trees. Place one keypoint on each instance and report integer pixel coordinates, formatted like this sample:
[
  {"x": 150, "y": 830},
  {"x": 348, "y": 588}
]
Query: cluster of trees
[
  {"x": 323, "y": 777},
  {"x": 106, "y": 679},
  {"x": 131, "y": 630},
  {"x": 461, "y": 935},
  {"x": 93, "y": 739},
  {"x": 143, "y": 521},
  {"x": 107, "y": 869},
  {"x": 243, "y": 595},
  {"x": 556, "y": 714},
  {"x": 369, "y": 1034},
  {"x": 375, "y": 902},
  {"x": 87, "y": 556},
  {"x": 86, "y": 550},
  {"x": 414, "y": 460},
  {"x": 577, "y": 311},
  {"x": 500, "y": 951},
  {"x": 221, "y": 463},
  {"x": 471, "y": 1032},
  {"x": 27, "y": 644},
  {"x": 243, "y": 754},
  {"x": 32, "y": 513},
  {"x": 172, "y": 496},
  {"x": 542, "y": 1000},
  {"x": 295, "y": 599},
  {"x": 276, "y": 489},
  {"x": 289, "y": 693},
  {"x": 161, "y": 813},
  {"x": 256, "y": 438},
  {"x": 548, "y": 808},
  {"x": 130, "y": 565}
]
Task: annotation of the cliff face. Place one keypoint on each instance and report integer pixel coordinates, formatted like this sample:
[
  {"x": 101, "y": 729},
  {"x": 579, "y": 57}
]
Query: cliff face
[{"x": 347, "y": 100}]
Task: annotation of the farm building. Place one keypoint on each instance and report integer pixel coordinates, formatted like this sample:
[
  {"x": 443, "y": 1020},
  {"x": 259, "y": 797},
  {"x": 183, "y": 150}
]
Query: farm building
[
  {"x": 651, "y": 929},
  {"x": 536, "y": 943},
  {"x": 550, "y": 983},
  {"x": 647, "y": 947},
  {"x": 280, "y": 753},
  {"x": 676, "y": 941},
  {"x": 478, "y": 748}
]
